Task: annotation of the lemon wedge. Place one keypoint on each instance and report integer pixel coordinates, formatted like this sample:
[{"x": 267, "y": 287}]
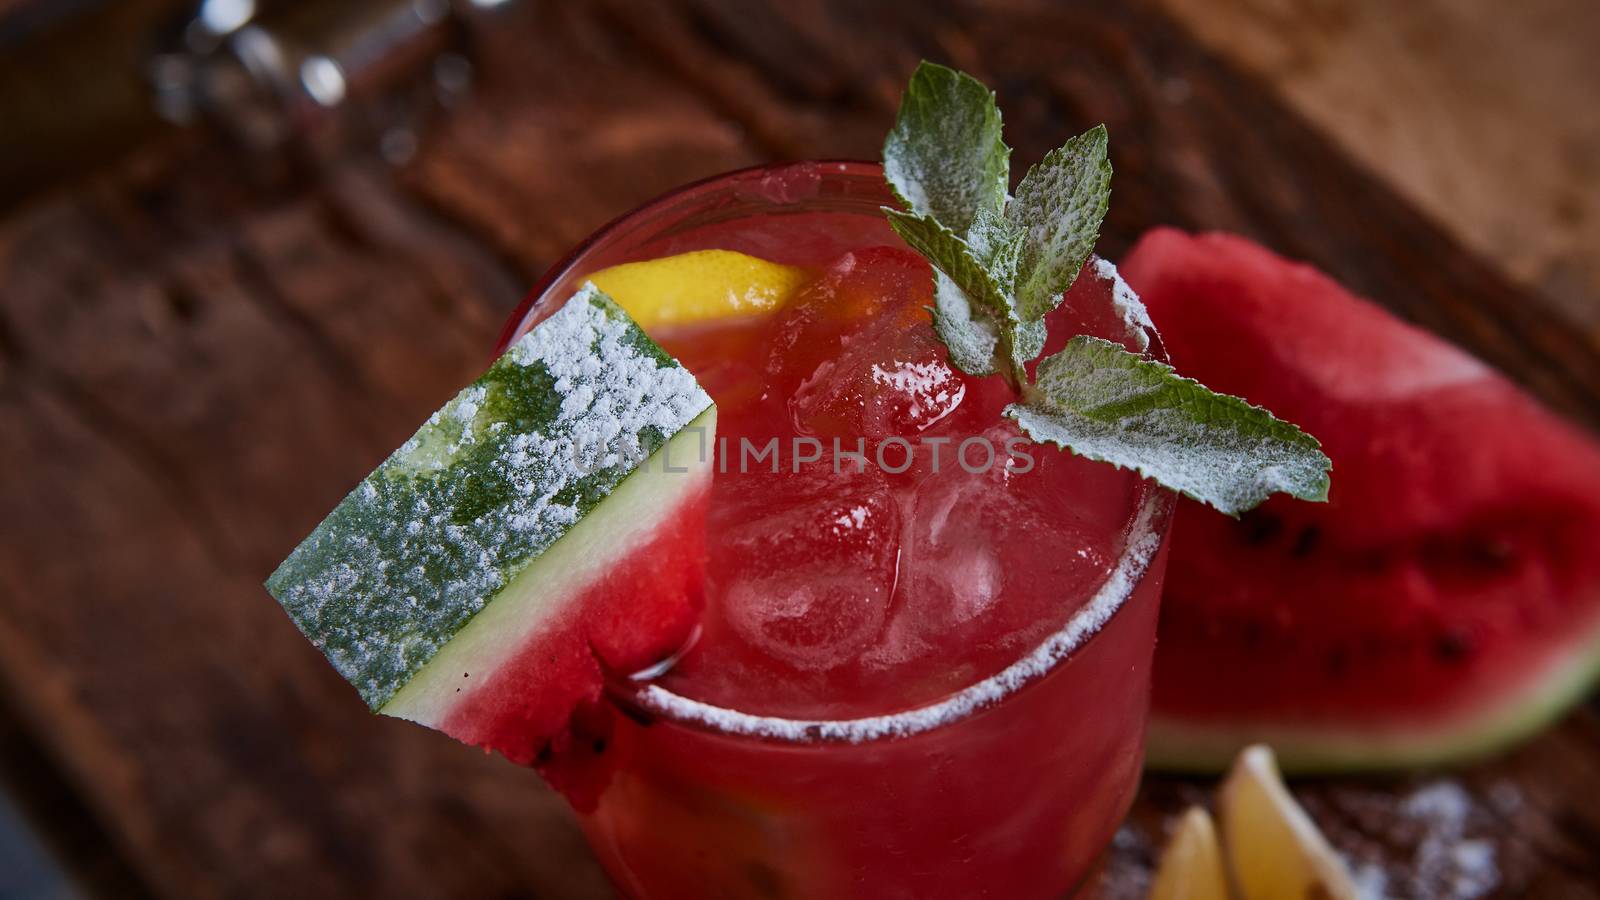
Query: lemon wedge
[
  {"x": 698, "y": 286},
  {"x": 1191, "y": 866},
  {"x": 1273, "y": 848}
]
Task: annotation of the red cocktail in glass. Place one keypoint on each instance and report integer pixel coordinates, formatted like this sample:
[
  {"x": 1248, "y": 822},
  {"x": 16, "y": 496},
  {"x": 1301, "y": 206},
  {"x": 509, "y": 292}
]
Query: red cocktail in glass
[{"x": 924, "y": 664}]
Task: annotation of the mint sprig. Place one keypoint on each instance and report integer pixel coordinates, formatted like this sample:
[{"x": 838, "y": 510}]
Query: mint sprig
[{"x": 1001, "y": 263}]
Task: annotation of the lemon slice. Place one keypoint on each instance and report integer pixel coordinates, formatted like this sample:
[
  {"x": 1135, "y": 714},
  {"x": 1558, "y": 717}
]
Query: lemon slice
[
  {"x": 1274, "y": 849},
  {"x": 698, "y": 286},
  {"x": 1191, "y": 866}
]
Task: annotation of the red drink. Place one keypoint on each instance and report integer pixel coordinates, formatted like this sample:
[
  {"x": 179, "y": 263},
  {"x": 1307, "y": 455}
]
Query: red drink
[{"x": 924, "y": 663}]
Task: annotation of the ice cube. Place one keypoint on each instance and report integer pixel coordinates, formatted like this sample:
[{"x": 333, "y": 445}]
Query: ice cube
[
  {"x": 807, "y": 564},
  {"x": 885, "y": 381},
  {"x": 991, "y": 558},
  {"x": 856, "y": 355}
]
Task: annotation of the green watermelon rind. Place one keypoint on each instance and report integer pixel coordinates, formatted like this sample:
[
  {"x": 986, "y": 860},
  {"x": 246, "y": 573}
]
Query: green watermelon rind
[
  {"x": 484, "y": 489},
  {"x": 535, "y": 598},
  {"x": 1179, "y": 746}
]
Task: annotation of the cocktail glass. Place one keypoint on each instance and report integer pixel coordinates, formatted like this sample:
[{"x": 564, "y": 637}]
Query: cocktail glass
[{"x": 1011, "y": 787}]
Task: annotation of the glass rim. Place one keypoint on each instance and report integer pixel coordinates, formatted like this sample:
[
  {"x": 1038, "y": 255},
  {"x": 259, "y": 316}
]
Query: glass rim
[{"x": 1148, "y": 526}]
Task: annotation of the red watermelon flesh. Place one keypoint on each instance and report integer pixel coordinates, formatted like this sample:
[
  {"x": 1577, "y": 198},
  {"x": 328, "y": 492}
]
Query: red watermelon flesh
[
  {"x": 1445, "y": 601},
  {"x": 638, "y": 611}
]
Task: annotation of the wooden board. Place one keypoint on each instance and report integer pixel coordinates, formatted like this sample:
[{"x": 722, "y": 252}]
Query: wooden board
[
  {"x": 1482, "y": 115},
  {"x": 197, "y": 360}
]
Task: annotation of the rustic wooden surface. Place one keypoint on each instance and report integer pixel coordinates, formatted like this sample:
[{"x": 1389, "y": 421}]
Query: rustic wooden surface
[
  {"x": 1479, "y": 111},
  {"x": 197, "y": 359}
]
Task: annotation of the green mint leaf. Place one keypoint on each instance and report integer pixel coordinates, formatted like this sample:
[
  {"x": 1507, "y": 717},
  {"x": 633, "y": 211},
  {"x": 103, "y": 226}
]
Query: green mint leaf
[
  {"x": 988, "y": 336},
  {"x": 1102, "y": 402},
  {"x": 944, "y": 157},
  {"x": 1028, "y": 340},
  {"x": 973, "y": 338},
  {"x": 997, "y": 245},
  {"x": 1059, "y": 206},
  {"x": 955, "y": 258}
]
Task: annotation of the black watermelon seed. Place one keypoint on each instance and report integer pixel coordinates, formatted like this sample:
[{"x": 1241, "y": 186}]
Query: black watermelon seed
[
  {"x": 1252, "y": 633},
  {"x": 764, "y": 879},
  {"x": 1372, "y": 561},
  {"x": 1306, "y": 541},
  {"x": 1338, "y": 661},
  {"x": 1452, "y": 647},
  {"x": 1260, "y": 527},
  {"x": 1492, "y": 553}
]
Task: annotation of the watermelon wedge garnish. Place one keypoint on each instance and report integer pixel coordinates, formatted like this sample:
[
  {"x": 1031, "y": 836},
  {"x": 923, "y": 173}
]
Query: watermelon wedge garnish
[
  {"x": 1444, "y": 602},
  {"x": 545, "y": 525}
]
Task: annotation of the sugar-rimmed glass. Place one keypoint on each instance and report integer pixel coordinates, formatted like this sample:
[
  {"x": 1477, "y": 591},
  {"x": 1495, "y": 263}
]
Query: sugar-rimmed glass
[{"x": 1010, "y": 787}]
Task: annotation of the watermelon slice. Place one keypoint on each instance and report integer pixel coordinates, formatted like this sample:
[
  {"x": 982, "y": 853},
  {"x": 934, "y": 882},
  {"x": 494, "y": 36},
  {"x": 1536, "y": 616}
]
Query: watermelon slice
[
  {"x": 546, "y": 523},
  {"x": 1444, "y": 602}
]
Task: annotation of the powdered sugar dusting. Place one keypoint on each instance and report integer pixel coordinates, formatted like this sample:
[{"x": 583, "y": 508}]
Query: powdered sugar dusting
[
  {"x": 1127, "y": 304},
  {"x": 1437, "y": 843},
  {"x": 1144, "y": 538},
  {"x": 481, "y": 490},
  {"x": 613, "y": 395},
  {"x": 928, "y": 387},
  {"x": 1448, "y": 864}
]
